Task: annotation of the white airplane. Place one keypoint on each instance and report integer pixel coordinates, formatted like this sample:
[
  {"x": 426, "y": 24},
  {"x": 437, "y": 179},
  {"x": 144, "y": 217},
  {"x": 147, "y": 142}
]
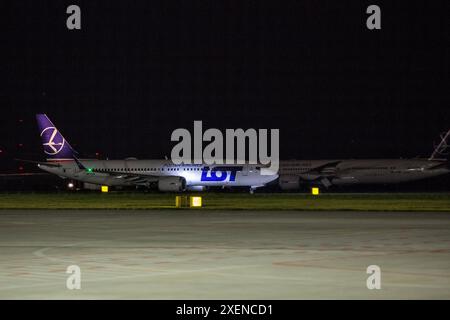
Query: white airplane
[{"x": 164, "y": 174}]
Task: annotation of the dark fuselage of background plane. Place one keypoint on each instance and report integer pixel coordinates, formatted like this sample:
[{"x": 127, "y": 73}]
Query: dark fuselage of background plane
[{"x": 364, "y": 171}]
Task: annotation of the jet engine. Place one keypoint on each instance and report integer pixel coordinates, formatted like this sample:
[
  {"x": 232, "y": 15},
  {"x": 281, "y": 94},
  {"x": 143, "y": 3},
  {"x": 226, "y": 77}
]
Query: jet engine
[
  {"x": 171, "y": 184},
  {"x": 289, "y": 182}
]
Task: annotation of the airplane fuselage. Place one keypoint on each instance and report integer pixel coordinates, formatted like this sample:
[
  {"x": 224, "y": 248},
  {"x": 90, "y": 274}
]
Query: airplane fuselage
[
  {"x": 365, "y": 171},
  {"x": 142, "y": 172}
]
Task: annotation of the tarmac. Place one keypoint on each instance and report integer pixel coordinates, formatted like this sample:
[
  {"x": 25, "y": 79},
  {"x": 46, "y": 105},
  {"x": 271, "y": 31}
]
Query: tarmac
[{"x": 191, "y": 254}]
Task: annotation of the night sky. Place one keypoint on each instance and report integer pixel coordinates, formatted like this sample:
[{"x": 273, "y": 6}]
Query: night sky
[{"x": 137, "y": 70}]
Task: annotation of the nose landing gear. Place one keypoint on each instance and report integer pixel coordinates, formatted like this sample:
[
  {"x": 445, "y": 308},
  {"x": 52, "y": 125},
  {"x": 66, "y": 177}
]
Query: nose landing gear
[{"x": 253, "y": 188}]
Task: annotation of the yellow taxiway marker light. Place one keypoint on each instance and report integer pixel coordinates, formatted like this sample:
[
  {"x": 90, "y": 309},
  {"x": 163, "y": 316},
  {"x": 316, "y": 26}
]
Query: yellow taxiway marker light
[
  {"x": 105, "y": 189},
  {"x": 178, "y": 202},
  {"x": 181, "y": 201},
  {"x": 196, "y": 202},
  {"x": 315, "y": 191}
]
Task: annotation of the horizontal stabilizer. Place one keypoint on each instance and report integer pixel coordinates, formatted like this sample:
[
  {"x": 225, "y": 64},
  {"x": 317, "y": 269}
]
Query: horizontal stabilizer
[
  {"x": 44, "y": 163},
  {"x": 441, "y": 150}
]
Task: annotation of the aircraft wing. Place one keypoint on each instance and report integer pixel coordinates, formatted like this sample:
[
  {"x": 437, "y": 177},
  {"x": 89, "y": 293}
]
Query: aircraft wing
[
  {"x": 131, "y": 177},
  {"x": 322, "y": 173},
  {"x": 134, "y": 178},
  {"x": 325, "y": 170}
]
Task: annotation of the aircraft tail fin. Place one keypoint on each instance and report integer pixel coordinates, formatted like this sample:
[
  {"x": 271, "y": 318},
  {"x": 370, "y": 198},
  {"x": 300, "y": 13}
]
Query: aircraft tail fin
[
  {"x": 55, "y": 146},
  {"x": 441, "y": 150}
]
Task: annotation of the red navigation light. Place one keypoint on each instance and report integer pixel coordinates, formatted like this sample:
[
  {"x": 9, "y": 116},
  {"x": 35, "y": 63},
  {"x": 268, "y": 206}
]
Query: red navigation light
[{"x": 20, "y": 168}]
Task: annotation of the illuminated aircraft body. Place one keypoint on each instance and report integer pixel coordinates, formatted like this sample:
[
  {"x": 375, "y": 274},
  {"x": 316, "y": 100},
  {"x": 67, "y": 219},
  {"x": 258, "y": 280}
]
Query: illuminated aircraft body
[{"x": 166, "y": 176}]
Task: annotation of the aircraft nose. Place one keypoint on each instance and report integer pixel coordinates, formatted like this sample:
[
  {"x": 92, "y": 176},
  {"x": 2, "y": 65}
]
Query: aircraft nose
[{"x": 269, "y": 174}]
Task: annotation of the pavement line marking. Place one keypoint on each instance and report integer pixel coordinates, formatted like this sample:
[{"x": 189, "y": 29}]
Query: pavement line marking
[{"x": 175, "y": 272}]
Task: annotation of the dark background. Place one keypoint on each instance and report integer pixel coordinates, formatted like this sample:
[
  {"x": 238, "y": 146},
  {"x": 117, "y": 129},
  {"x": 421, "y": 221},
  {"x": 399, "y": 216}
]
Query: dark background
[{"x": 137, "y": 70}]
